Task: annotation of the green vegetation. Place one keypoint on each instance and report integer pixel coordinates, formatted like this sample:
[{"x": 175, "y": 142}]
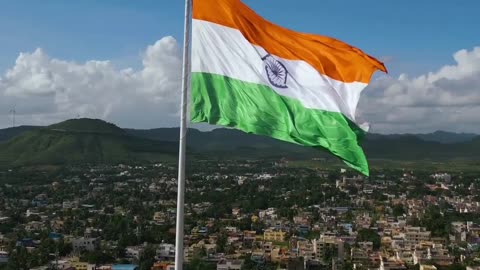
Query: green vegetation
[
  {"x": 86, "y": 125},
  {"x": 91, "y": 141},
  {"x": 369, "y": 235},
  {"x": 96, "y": 141},
  {"x": 8, "y": 133},
  {"x": 20, "y": 258}
]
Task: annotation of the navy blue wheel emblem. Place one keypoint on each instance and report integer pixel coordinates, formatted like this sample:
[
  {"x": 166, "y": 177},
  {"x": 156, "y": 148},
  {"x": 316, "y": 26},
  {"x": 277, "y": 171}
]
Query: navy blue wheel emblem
[{"x": 276, "y": 72}]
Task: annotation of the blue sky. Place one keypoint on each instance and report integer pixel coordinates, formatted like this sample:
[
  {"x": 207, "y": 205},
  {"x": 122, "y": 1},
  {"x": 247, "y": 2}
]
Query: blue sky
[{"x": 417, "y": 38}]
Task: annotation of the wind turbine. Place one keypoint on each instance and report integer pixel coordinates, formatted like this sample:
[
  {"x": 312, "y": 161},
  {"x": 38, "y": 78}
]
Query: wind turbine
[{"x": 12, "y": 111}]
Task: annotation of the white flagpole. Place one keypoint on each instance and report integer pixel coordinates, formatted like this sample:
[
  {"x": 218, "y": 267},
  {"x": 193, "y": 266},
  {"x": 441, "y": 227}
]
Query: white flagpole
[{"x": 183, "y": 134}]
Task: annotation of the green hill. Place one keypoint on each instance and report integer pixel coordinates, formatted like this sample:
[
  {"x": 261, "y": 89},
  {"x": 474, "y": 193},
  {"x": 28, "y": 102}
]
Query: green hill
[
  {"x": 82, "y": 141},
  {"x": 230, "y": 143},
  {"x": 96, "y": 141},
  {"x": 446, "y": 137},
  {"x": 410, "y": 147},
  {"x": 86, "y": 125},
  {"x": 8, "y": 133}
]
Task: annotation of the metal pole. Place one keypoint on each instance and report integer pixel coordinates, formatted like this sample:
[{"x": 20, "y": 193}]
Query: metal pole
[{"x": 183, "y": 134}]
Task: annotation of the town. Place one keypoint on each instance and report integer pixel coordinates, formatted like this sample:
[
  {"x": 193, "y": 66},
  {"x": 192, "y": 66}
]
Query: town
[{"x": 250, "y": 214}]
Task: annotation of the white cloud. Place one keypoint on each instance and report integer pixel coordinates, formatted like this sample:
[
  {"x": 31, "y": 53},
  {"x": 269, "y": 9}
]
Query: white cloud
[
  {"x": 448, "y": 99},
  {"x": 46, "y": 90}
]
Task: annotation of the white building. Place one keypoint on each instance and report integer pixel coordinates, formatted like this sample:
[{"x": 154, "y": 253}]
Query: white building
[
  {"x": 229, "y": 264},
  {"x": 133, "y": 252},
  {"x": 165, "y": 252}
]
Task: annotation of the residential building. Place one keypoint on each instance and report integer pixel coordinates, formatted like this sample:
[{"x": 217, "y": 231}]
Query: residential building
[
  {"x": 359, "y": 256},
  {"x": 274, "y": 235},
  {"x": 3, "y": 257},
  {"x": 229, "y": 264},
  {"x": 79, "y": 265},
  {"x": 328, "y": 244},
  {"x": 165, "y": 252},
  {"x": 163, "y": 266},
  {"x": 428, "y": 267},
  {"x": 134, "y": 252},
  {"x": 306, "y": 250},
  {"x": 392, "y": 264},
  {"x": 85, "y": 244},
  {"x": 249, "y": 236},
  {"x": 414, "y": 235}
]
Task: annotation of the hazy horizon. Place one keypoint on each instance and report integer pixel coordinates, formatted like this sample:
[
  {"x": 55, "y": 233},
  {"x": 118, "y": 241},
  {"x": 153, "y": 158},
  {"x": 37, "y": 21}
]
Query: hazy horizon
[{"x": 206, "y": 127}]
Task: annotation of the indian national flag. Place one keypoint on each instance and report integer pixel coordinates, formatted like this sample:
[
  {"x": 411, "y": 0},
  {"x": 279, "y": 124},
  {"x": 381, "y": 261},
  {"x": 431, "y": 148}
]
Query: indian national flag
[{"x": 261, "y": 78}]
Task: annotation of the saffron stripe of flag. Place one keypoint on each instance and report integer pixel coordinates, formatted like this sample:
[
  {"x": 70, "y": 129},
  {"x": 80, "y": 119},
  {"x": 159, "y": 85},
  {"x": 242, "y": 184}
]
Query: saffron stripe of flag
[{"x": 329, "y": 56}]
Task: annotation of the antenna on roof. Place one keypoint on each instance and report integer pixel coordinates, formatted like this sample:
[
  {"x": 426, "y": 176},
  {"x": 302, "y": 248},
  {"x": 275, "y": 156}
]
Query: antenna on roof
[{"x": 12, "y": 111}]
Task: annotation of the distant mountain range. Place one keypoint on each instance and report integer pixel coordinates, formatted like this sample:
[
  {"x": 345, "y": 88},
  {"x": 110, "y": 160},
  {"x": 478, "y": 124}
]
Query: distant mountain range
[
  {"x": 171, "y": 134},
  {"x": 96, "y": 141},
  {"x": 229, "y": 142},
  {"x": 437, "y": 136}
]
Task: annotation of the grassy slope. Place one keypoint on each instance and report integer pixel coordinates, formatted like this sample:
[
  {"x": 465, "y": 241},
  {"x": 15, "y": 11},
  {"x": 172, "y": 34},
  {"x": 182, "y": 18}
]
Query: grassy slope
[{"x": 81, "y": 142}]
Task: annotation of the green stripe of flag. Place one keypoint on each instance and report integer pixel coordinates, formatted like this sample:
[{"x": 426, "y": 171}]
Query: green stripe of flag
[{"x": 257, "y": 109}]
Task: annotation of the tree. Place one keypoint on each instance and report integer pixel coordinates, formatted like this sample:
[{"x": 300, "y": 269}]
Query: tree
[
  {"x": 435, "y": 222},
  {"x": 98, "y": 257},
  {"x": 148, "y": 258},
  {"x": 198, "y": 264},
  {"x": 369, "y": 235},
  {"x": 349, "y": 216},
  {"x": 248, "y": 264},
  {"x": 329, "y": 253},
  {"x": 347, "y": 266},
  {"x": 221, "y": 242},
  {"x": 18, "y": 259},
  {"x": 455, "y": 266},
  {"x": 398, "y": 210}
]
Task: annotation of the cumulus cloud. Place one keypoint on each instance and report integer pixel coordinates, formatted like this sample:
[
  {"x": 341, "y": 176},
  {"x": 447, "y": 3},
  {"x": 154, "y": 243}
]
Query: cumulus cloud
[
  {"x": 45, "y": 90},
  {"x": 448, "y": 99}
]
